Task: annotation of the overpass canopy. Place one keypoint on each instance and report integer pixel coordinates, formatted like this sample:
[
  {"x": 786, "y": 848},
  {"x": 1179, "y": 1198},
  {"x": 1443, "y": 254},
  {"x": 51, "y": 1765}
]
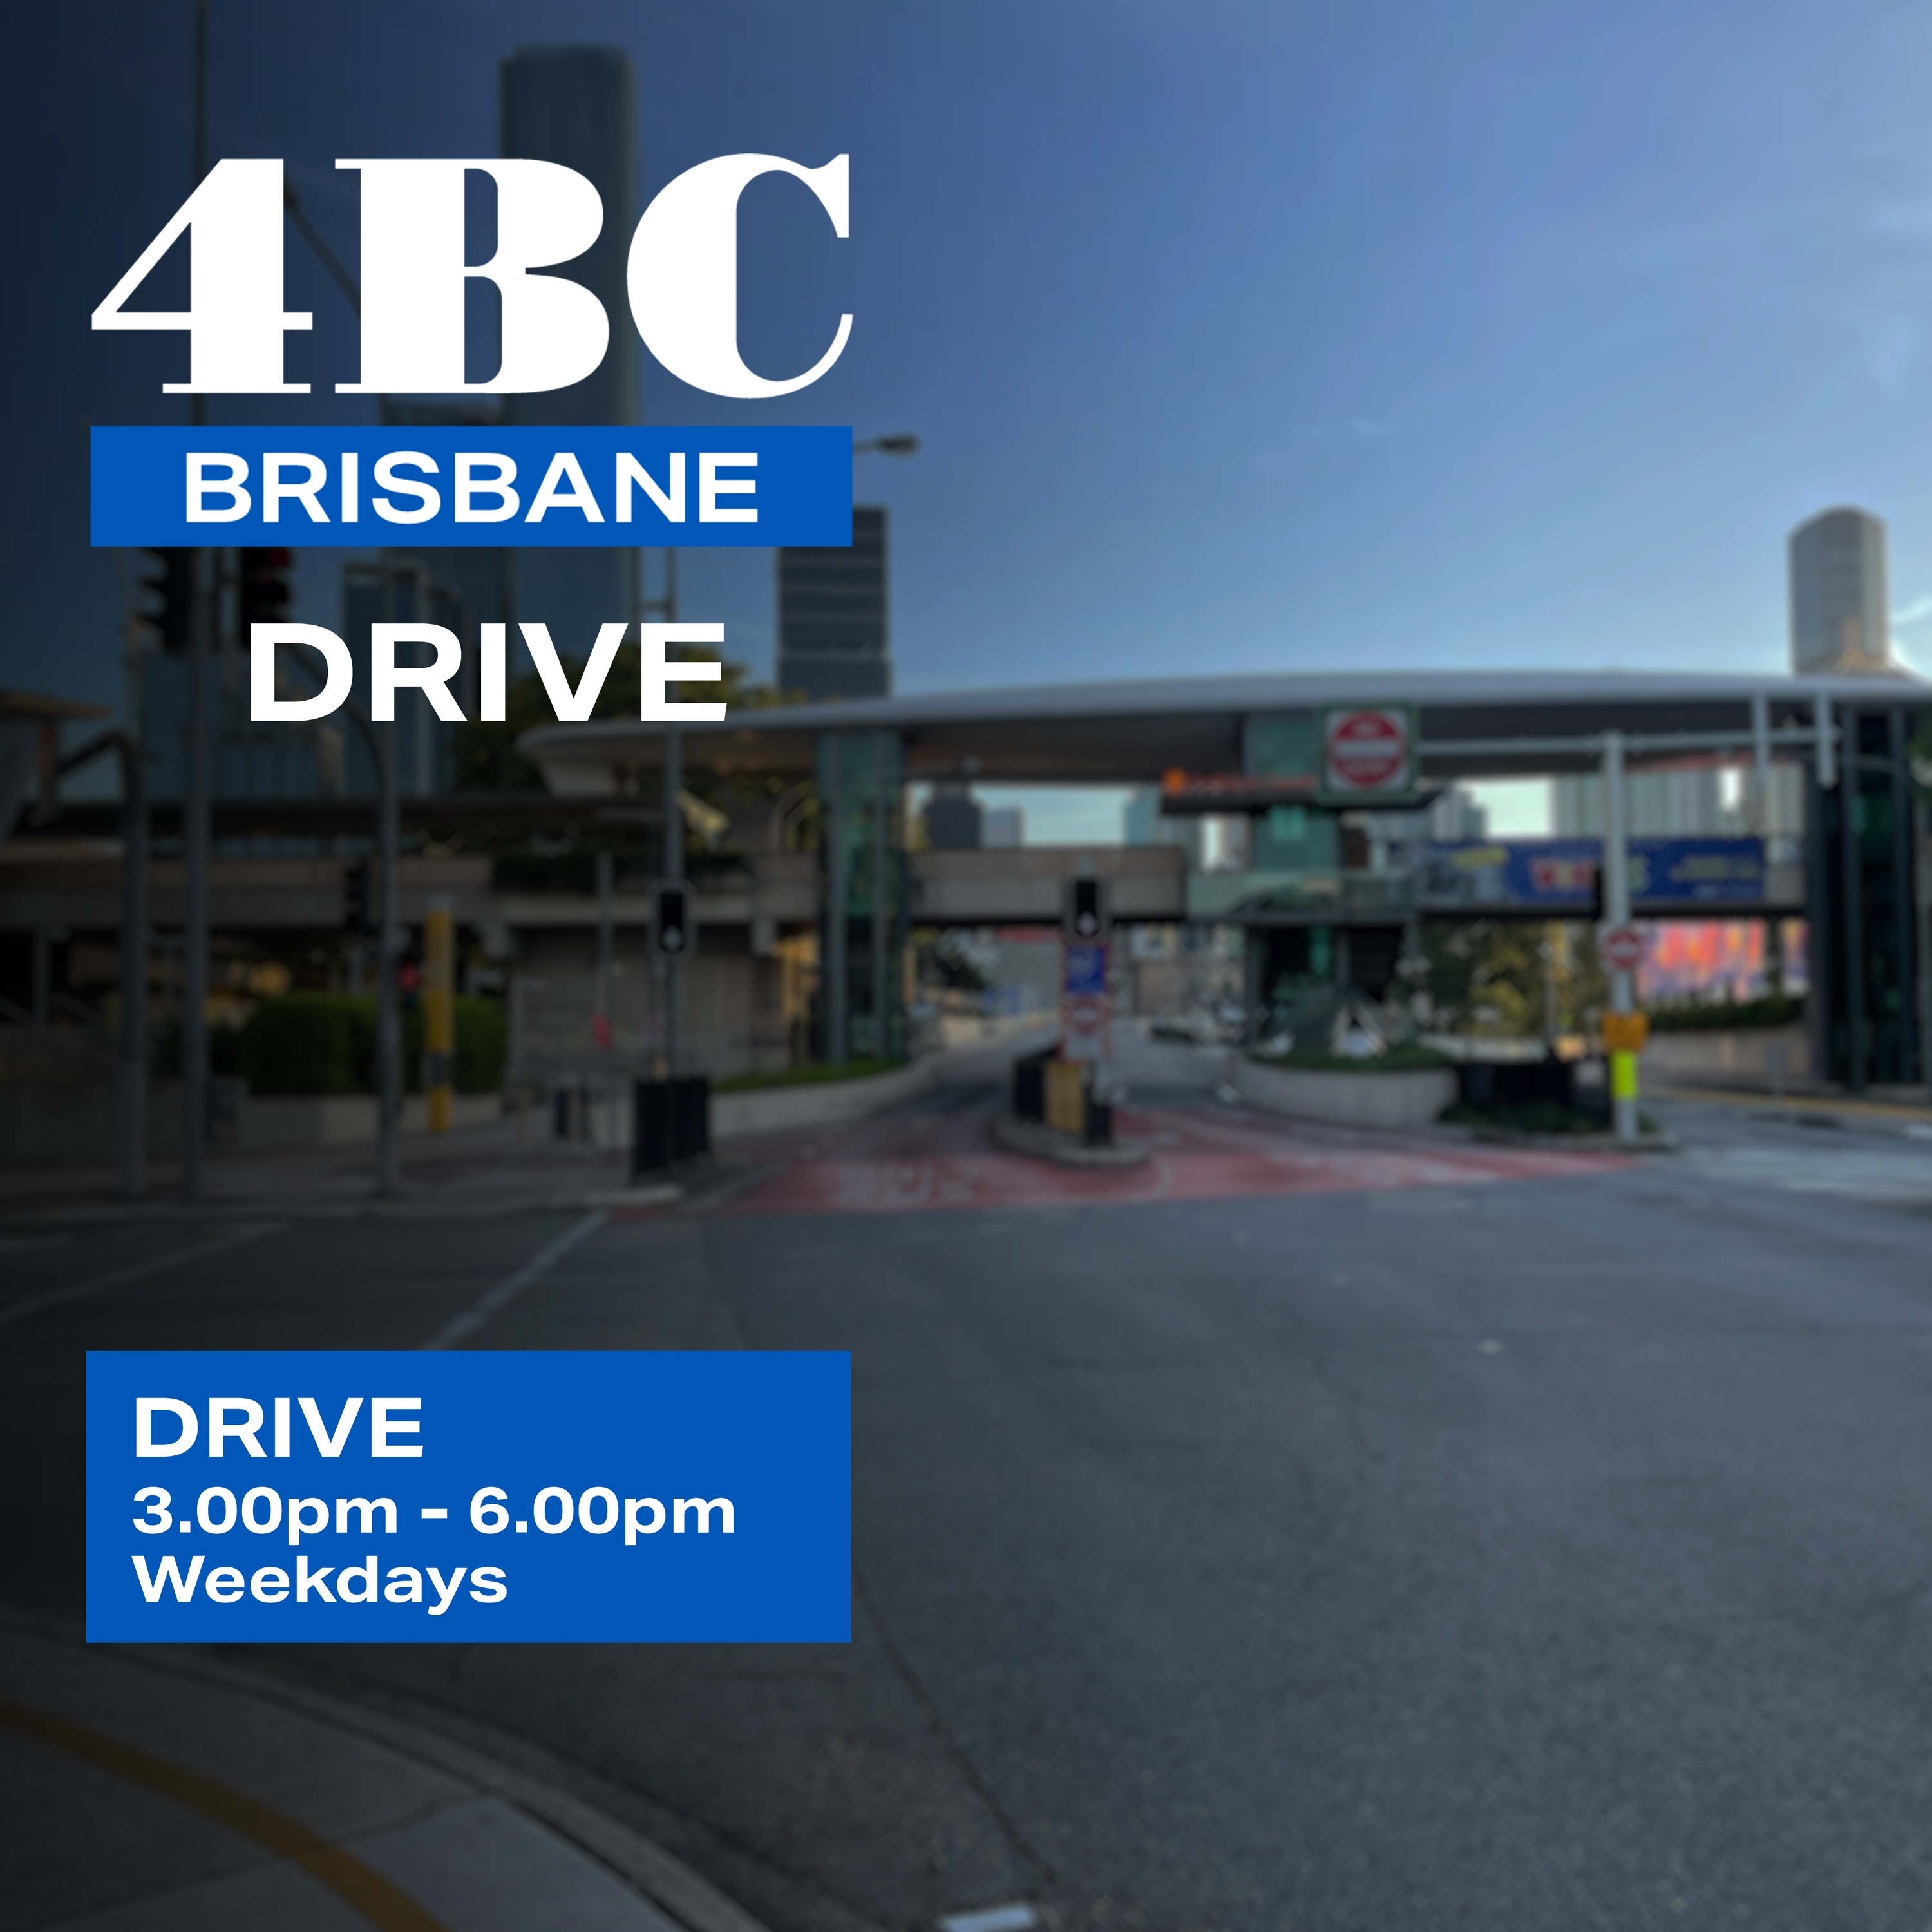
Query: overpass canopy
[{"x": 1130, "y": 732}]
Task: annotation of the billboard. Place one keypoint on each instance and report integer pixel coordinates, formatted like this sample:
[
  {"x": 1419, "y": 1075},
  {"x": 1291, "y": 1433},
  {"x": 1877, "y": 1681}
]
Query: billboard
[{"x": 1558, "y": 875}]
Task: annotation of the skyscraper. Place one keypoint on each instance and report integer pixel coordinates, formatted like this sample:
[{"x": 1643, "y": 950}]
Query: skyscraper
[
  {"x": 832, "y": 615},
  {"x": 1839, "y": 621},
  {"x": 577, "y": 106}
]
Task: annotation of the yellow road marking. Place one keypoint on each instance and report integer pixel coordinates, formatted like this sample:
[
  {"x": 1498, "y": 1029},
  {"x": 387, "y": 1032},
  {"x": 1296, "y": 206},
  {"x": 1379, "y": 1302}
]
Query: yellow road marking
[
  {"x": 1792, "y": 1103},
  {"x": 373, "y": 1895}
]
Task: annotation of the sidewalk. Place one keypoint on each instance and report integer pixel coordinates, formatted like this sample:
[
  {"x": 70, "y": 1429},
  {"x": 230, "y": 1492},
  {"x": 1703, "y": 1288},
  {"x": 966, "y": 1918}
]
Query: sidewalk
[
  {"x": 505, "y": 1167},
  {"x": 158, "y": 1790},
  {"x": 1892, "y": 1111}
]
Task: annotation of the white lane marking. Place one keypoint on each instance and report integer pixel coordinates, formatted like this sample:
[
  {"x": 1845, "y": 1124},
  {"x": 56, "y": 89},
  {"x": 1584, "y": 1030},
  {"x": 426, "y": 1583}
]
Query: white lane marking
[
  {"x": 56, "y": 1298},
  {"x": 460, "y": 1328},
  {"x": 991, "y": 1918}
]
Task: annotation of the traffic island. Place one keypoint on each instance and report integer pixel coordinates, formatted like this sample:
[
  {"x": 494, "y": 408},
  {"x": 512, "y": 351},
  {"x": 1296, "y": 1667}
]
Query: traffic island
[
  {"x": 1039, "y": 1141},
  {"x": 1406, "y": 1087},
  {"x": 1059, "y": 1115}
]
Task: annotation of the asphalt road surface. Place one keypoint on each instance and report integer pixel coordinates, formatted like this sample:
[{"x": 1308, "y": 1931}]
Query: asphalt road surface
[{"x": 1301, "y": 1531}]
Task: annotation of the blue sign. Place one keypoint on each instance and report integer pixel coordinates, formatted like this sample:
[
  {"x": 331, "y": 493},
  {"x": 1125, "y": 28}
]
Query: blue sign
[
  {"x": 484, "y": 486},
  {"x": 1085, "y": 971},
  {"x": 1559, "y": 874},
  {"x": 409, "y": 1498}
]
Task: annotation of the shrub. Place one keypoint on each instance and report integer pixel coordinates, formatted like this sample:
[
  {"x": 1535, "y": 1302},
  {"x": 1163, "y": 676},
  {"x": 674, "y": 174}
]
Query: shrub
[
  {"x": 1771, "y": 1009},
  {"x": 302, "y": 1043},
  {"x": 482, "y": 1045},
  {"x": 325, "y": 1043}
]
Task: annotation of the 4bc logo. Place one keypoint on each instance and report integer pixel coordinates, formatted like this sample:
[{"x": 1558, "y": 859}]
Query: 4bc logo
[{"x": 682, "y": 277}]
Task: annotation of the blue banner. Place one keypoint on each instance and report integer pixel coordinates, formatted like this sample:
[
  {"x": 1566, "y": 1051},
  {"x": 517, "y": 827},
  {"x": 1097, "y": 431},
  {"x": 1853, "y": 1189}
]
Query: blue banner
[
  {"x": 563, "y": 487},
  {"x": 1559, "y": 874},
  {"x": 395, "y": 1498}
]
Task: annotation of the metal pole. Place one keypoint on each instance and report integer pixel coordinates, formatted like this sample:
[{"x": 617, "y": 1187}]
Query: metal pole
[
  {"x": 194, "y": 842},
  {"x": 1907, "y": 1063},
  {"x": 1616, "y": 913},
  {"x": 673, "y": 839},
  {"x": 880, "y": 926},
  {"x": 607, "y": 949},
  {"x": 131, "y": 1120},
  {"x": 837, "y": 1014},
  {"x": 1851, "y": 900},
  {"x": 194, "y": 804},
  {"x": 438, "y": 1012},
  {"x": 1760, "y": 716},
  {"x": 1826, "y": 740},
  {"x": 674, "y": 844},
  {"x": 388, "y": 952}
]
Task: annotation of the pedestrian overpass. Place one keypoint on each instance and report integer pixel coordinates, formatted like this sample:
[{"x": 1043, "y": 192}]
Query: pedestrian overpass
[{"x": 1252, "y": 746}]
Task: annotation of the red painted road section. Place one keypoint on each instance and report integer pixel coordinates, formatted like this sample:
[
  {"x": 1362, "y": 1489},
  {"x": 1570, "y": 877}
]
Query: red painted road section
[{"x": 910, "y": 1162}]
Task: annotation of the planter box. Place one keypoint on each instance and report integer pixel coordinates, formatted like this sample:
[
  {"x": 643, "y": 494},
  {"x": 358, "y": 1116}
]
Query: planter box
[
  {"x": 771, "y": 1110},
  {"x": 1406, "y": 1099},
  {"x": 285, "y": 1123}
]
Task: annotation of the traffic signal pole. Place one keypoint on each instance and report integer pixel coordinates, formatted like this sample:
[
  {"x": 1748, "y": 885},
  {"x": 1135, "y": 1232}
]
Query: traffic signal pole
[
  {"x": 880, "y": 927},
  {"x": 194, "y": 844},
  {"x": 1616, "y": 913},
  {"x": 131, "y": 1117}
]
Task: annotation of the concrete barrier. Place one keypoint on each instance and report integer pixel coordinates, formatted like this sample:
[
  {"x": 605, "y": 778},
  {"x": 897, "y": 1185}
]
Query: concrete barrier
[
  {"x": 1761, "y": 1057},
  {"x": 1410, "y": 1099},
  {"x": 771, "y": 1110}
]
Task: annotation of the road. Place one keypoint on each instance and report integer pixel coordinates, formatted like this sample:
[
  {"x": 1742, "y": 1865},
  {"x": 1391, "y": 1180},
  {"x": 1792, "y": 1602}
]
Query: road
[{"x": 1359, "y": 1532}]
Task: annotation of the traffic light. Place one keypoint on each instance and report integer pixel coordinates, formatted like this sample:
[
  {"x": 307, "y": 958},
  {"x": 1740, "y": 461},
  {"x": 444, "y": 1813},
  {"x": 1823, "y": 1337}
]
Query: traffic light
[
  {"x": 359, "y": 897},
  {"x": 265, "y": 592},
  {"x": 169, "y": 583},
  {"x": 1085, "y": 915},
  {"x": 671, "y": 921}
]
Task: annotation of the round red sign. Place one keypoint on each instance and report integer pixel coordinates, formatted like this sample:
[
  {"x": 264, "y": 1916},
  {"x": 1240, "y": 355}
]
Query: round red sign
[
  {"x": 1368, "y": 750},
  {"x": 1621, "y": 948}
]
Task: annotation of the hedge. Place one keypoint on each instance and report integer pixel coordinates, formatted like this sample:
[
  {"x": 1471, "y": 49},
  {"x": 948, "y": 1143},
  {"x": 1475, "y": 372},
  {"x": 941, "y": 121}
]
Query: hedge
[
  {"x": 325, "y": 1043},
  {"x": 1771, "y": 1009}
]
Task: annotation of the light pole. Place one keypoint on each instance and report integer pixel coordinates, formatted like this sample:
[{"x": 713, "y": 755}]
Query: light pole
[{"x": 1616, "y": 914}]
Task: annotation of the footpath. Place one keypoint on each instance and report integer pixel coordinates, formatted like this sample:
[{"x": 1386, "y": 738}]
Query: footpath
[
  {"x": 506, "y": 1167},
  {"x": 167, "y": 1790}
]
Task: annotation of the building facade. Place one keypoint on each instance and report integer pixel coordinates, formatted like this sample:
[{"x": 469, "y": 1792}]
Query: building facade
[
  {"x": 1840, "y": 624},
  {"x": 833, "y": 633}
]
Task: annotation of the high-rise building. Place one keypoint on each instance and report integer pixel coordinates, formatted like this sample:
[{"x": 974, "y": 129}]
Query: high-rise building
[
  {"x": 577, "y": 106},
  {"x": 832, "y": 616},
  {"x": 1840, "y": 622}
]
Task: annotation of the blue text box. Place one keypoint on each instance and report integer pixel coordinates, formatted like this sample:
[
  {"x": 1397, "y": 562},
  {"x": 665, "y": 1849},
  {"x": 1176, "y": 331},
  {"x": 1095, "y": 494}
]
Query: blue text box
[
  {"x": 663, "y": 1498},
  {"x": 331, "y": 491}
]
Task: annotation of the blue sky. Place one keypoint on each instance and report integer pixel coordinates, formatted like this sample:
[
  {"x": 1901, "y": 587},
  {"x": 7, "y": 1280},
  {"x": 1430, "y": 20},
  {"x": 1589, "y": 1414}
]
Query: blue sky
[{"x": 1238, "y": 335}]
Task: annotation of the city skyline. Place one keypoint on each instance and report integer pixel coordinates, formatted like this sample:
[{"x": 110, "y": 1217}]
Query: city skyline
[{"x": 1228, "y": 342}]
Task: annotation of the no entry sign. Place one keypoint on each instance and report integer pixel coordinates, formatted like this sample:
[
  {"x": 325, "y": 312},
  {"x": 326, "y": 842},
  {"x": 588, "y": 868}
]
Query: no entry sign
[
  {"x": 1621, "y": 948},
  {"x": 1367, "y": 751}
]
